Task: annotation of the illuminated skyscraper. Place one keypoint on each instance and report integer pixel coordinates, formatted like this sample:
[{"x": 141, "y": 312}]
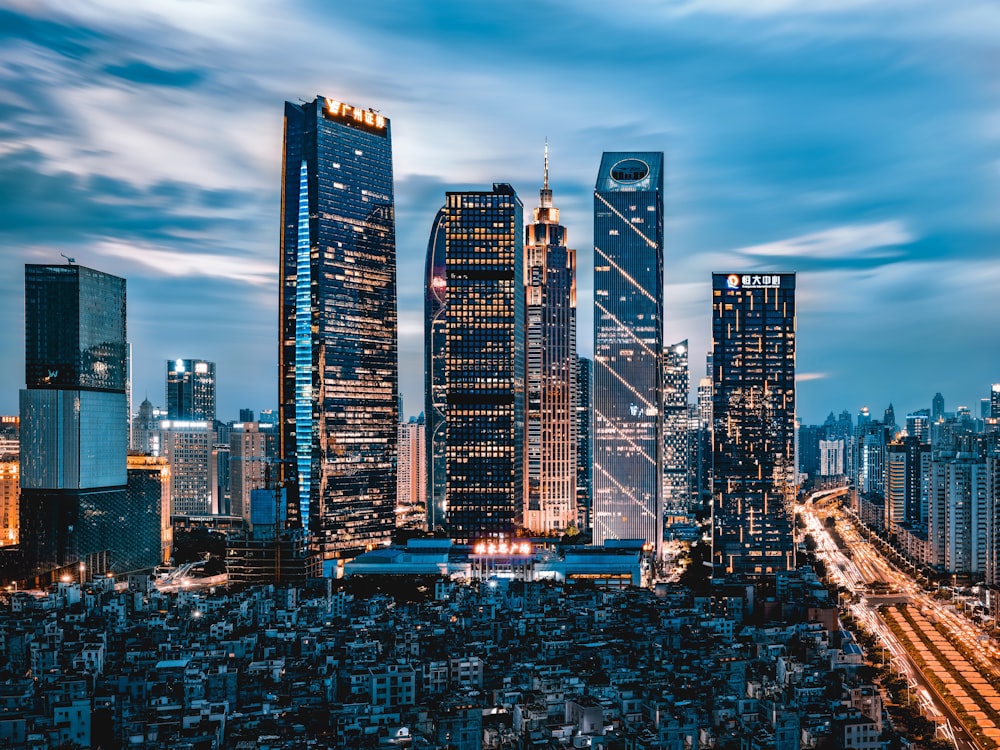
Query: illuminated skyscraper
[
  {"x": 753, "y": 362},
  {"x": 628, "y": 348},
  {"x": 73, "y": 446},
  {"x": 337, "y": 355},
  {"x": 191, "y": 390},
  {"x": 484, "y": 355},
  {"x": 411, "y": 475},
  {"x": 550, "y": 294},
  {"x": 584, "y": 440},
  {"x": 677, "y": 479},
  {"x": 435, "y": 393}
]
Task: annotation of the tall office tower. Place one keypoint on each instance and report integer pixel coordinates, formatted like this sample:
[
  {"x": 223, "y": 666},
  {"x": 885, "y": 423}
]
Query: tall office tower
[
  {"x": 584, "y": 440},
  {"x": 628, "y": 348},
  {"x": 550, "y": 306},
  {"x": 808, "y": 451},
  {"x": 250, "y": 458},
  {"x": 937, "y": 408},
  {"x": 676, "y": 450},
  {"x": 753, "y": 336},
  {"x": 73, "y": 412},
  {"x": 10, "y": 496},
  {"x": 889, "y": 420},
  {"x": 411, "y": 475},
  {"x": 191, "y": 390},
  {"x": 149, "y": 503},
  {"x": 705, "y": 401},
  {"x": 484, "y": 363},
  {"x": 435, "y": 390},
  {"x": 337, "y": 357},
  {"x": 247, "y": 415},
  {"x": 907, "y": 482},
  {"x": 995, "y": 401},
  {"x": 189, "y": 450}
]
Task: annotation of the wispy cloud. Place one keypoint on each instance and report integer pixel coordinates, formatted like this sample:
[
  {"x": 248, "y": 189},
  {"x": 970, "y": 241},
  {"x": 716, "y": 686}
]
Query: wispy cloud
[
  {"x": 882, "y": 240},
  {"x": 174, "y": 264}
]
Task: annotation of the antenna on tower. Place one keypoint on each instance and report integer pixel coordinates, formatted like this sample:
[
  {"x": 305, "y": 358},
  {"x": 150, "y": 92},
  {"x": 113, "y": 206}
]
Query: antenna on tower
[{"x": 545, "y": 184}]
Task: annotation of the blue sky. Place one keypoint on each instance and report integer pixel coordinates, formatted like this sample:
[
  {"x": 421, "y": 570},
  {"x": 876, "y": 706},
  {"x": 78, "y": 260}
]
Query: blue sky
[{"x": 855, "y": 142}]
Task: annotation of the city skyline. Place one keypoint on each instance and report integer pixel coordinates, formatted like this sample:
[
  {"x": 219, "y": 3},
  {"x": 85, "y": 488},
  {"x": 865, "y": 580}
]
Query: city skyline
[{"x": 798, "y": 138}]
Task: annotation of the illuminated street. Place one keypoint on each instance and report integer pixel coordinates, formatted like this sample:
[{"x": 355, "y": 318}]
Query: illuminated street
[{"x": 866, "y": 573}]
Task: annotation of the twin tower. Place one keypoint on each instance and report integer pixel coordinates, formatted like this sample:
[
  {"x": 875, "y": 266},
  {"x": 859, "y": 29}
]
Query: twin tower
[{"x": 501, "y": 367}]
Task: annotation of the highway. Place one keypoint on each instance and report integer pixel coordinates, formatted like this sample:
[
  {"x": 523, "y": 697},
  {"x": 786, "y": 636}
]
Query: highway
[{"x": 859, "y": 565}]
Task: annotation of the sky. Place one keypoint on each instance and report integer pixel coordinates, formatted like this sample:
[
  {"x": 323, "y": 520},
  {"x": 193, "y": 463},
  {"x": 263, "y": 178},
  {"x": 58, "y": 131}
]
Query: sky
[{"x": 854, "y": 142}]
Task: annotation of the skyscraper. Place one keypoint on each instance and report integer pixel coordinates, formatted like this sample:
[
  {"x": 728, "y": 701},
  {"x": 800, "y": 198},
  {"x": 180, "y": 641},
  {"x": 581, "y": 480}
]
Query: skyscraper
[
  {"x": 584, "y": 440},
  {"x": 411, "y": 475},
  {"x": 937, "y": 408},
  {"x": 191, "y": 390},
  {"x": 753, "y": 362},
  {"x": 484, "y": 354},
  {"x": 73, "y": 412},
  {"x": 550, "y": 304},
  {"x": 628, "y": 348},
  {"x": 435, "y": 389},
  {"x": 337, "y": 355},
  {"x": 188, "y": 448},
  {"x": 677, "y": 480}
]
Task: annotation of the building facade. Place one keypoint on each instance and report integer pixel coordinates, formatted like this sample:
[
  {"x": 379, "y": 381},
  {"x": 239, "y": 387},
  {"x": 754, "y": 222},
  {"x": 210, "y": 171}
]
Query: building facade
[
  {"x": 677, "y": 469},
  {"x": 189, "y": 450},
  {"x": 74, "y": 419},
  {"x": 191, "y": 390},
  {"x": 252, "y": 451},
  {"x": 584, "y": 440},
  {"x": 753, "y": 362},
  {"x": 435, "y": 388},
  {"x": 628, "y": 348},
  {"x": 411, "y": 475},
  {"x": 484, "y": 356},
  {"x": 338, "y": 345},
  {"x": 550, "y": 307}
]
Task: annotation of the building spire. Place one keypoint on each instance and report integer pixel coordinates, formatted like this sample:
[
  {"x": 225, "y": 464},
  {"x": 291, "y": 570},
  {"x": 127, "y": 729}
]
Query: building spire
[
  {"x": 546, "y": 194},
  {"x": 545, "y": 183}
]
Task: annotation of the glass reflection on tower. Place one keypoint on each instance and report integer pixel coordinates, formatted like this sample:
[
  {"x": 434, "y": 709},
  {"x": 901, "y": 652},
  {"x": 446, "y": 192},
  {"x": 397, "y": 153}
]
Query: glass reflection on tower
[
  {"x": 628, "y": 348},
  {"x": 337, "y": 355}
]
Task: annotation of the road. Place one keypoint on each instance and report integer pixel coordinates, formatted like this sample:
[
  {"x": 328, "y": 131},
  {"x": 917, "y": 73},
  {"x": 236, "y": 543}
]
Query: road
[{"x": 856, "y": 568}]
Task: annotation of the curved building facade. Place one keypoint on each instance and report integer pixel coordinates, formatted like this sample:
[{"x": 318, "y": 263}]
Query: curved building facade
[{"x": 435, "y": 393}]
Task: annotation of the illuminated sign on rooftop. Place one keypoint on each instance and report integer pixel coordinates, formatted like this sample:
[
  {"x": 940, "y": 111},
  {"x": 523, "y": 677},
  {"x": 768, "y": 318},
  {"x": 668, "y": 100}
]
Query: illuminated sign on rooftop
[
  {"x": 366, "y": 119},
  {"x": 752, "y": 281}
]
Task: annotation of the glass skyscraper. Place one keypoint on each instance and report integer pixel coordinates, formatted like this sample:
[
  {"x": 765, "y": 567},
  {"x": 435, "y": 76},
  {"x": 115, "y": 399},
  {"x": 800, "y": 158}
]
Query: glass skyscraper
[
  {"x": 550, "y": 299},
  {"x": 337, "y": 355},
  {"x": 484, "y": 354},
  {"x": 191, "y": 390},
  {"x": 74, "y": 415},
  {"x": 584, "y": 440},
  {"x": 628, "y": 348},
  {"x": 677, "y": 473},
  {"x": 435, "y": 391},
  {"x": 753, "y": 374}
]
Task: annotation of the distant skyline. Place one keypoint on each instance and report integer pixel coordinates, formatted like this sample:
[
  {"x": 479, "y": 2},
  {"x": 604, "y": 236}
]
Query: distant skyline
[{"x": 856, "y": 143}]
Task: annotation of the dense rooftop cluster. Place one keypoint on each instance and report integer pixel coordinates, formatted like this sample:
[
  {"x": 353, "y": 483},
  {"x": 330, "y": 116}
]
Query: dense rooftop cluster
[{"x": 433, "y": 664}]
